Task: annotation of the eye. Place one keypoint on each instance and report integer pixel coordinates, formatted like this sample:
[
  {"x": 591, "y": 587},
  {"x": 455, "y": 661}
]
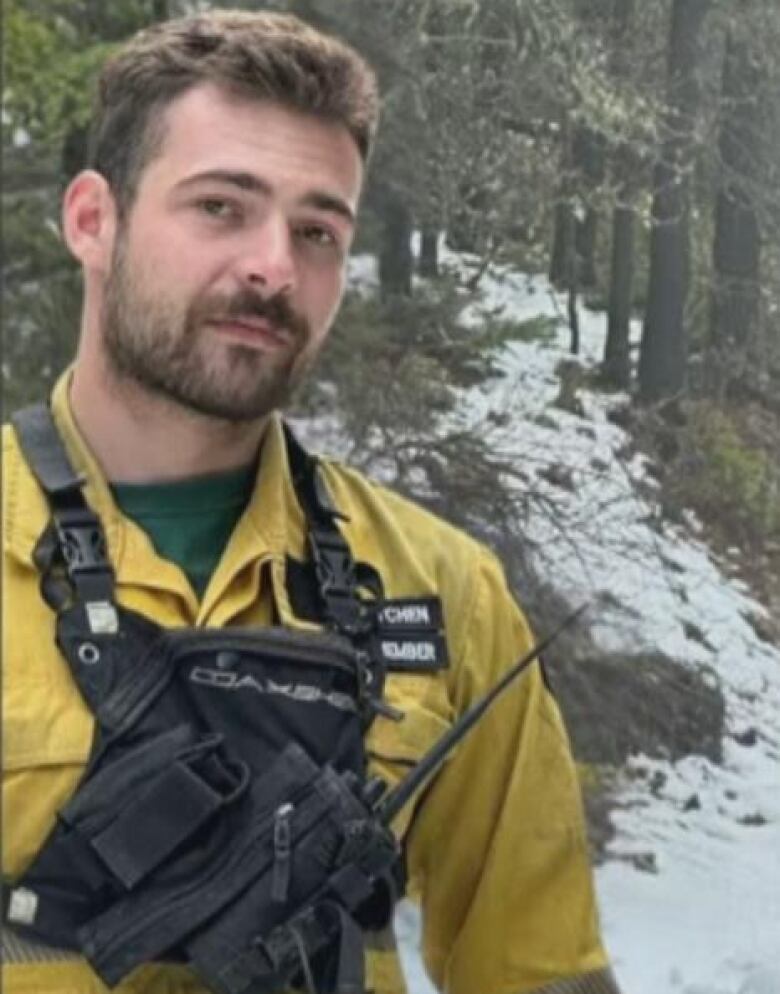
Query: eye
[
  {"x": 219, "y": 208},
  {"x": 318, "y": 235}
]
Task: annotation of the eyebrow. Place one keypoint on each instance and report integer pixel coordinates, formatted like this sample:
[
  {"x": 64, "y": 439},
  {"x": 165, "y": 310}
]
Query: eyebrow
[{"x": 318, "y": 199}]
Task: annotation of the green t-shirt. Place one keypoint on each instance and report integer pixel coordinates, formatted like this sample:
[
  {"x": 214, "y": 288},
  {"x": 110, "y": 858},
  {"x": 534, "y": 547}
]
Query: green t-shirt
[{"x": 189, "y": 521}]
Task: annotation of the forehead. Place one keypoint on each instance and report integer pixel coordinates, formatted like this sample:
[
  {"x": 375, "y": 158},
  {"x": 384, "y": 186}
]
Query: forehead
[{"x": 208, "y": 129}]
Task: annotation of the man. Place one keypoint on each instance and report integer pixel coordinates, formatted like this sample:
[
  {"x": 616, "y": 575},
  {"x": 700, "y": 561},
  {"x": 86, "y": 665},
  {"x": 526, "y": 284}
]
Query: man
[{"x": 213, "y": 229}]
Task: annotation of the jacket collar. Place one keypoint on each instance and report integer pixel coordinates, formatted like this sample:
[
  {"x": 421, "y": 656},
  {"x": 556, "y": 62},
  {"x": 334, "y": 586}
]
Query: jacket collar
[{"x": 272, "y": 525}]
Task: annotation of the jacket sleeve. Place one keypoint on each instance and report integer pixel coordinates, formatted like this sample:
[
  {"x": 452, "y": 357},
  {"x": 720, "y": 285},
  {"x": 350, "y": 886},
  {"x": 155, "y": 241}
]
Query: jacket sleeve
[{"x": 497, "y": 850}]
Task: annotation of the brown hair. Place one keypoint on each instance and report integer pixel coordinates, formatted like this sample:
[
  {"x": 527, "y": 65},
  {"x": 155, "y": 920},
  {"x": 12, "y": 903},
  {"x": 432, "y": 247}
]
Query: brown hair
[{"x": 258, "y": 55}]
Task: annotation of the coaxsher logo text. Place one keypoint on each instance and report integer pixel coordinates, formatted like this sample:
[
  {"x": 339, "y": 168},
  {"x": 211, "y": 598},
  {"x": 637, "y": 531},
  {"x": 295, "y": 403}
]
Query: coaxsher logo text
[{"x": 301, "y": 692}]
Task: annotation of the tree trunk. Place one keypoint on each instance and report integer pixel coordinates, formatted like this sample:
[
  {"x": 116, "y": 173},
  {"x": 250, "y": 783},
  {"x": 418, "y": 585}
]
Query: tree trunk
[
  {"x": 395, "y": 253},
  {"x": 585, "y": 243},
  {"x": 735, "y": 300},
  {"x": 429, "y": 253},
  {"x": 563, "y": 227},
  {"x": 664, "y": 352},
  {"x": 559, "y": 257},
  {"x": 582, "y": 169},
  {"x": 616, "y": 368},
  {"x": 588, "y": 154},
  {"x": 617, "y": 355},
  {"x": 572, "y": 286}
]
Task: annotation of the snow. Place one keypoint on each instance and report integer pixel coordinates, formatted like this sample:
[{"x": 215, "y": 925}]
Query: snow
[{"x": 690, "y": 891}]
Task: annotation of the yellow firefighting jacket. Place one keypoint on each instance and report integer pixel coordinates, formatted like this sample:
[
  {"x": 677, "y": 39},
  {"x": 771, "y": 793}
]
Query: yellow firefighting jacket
[{"x": 496, "y": 848}]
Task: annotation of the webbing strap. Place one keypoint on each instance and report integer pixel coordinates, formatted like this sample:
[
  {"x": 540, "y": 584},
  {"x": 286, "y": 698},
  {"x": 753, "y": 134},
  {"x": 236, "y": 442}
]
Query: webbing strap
[
  {"x": 81, "y": 541},
  {"x": 44, "y": 450},
  {"x": 335, "y": 569},
  {"x": 275, "y": 959}
]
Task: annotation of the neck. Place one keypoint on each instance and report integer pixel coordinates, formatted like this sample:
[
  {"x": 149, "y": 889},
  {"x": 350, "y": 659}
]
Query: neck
[{"x": 138, "y": 437}]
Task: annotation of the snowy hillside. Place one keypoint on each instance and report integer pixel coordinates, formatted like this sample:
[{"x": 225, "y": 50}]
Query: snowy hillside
[{"x": 690, "y": 892}]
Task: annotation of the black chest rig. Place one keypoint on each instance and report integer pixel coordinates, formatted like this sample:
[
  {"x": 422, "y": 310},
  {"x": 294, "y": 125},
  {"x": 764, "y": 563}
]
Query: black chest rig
[{"x": 225, "y": 818}]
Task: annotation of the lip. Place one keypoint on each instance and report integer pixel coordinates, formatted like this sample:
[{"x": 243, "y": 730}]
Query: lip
[{"x": 254, "y": 332}]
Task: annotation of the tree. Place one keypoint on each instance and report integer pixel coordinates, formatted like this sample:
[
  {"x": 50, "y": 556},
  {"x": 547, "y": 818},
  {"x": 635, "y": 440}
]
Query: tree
[
  {"x": 664, "y": 350},
  {"x": 52, "y": 50},
  {"x": 576, "y": 217},
  {"x": 736, "y": 285},
  {"x": 616, "y": 367}
]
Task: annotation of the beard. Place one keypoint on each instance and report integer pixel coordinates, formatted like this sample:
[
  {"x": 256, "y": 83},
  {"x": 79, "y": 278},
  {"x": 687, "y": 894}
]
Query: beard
[{"x": 165, "y": 345}]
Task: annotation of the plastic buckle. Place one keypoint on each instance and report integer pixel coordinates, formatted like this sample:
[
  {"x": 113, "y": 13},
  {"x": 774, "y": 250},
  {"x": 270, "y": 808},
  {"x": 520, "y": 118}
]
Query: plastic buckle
[
  {"x": 332, "y": 564},
  {"x": 82, "y": 541}
]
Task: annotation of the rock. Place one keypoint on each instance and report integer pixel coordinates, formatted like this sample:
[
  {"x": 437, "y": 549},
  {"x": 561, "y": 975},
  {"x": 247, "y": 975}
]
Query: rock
[
  {"x": 692, "y": 804},
  {"x": 572, "y": 377},
  {"x": 645, "y": 862},
  {"x": 747, "y": 738},
  {"x": 754, "y": 819},
  {"x": 546, "y": 421},
  {"x": 622, "y": 416},
  {"x": 657, "y": 782},
  {"x": 695, "y": 634},
  {"x": 559, "y": 476},
  {"x": 764, "y": 627}
]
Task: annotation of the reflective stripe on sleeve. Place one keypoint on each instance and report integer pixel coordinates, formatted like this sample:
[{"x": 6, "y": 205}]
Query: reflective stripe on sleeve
[
  {"x": 601, "y": 982},
  {"x": 20, "y": 950}
]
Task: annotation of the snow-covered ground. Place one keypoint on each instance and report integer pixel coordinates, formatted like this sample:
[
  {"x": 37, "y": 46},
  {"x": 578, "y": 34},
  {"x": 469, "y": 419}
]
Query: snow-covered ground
[{"x": 703, "y": 916}]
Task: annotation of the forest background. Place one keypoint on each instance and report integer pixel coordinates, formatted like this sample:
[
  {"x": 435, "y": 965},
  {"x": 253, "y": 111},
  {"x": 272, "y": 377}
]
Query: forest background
[
  {"x": 628, "y": 150},
  {"x": 631, "y": 150}
]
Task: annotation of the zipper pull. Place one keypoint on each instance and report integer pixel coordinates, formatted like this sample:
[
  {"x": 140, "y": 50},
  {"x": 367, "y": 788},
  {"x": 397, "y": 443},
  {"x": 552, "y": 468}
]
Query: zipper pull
[
  {"x": 280, "y": 884},
  {"x": 369, "y": 699},
  {"x": 387, "y": 710}
]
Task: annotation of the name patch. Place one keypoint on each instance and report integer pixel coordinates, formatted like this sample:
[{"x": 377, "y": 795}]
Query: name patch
[
  {"x": 410, "y": 636},
  {"x": 414, "y": 613}
]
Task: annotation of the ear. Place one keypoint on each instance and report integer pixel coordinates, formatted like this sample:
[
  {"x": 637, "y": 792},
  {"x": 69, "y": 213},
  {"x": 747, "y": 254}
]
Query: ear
[{"x": 89, "y": 220}]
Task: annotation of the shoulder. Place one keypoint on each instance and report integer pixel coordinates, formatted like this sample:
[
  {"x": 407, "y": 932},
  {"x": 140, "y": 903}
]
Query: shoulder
[
  {"x": 9, "y": 438},
  {"x": 13, "y": 462},
  {"x": 397, "y": 524},
  {"x": 24, "y": 507},
  {"x": 419, "y": 554}
]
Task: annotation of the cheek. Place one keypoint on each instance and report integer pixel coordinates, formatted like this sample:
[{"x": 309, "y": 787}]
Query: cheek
[{"x": 329, "y": 293}]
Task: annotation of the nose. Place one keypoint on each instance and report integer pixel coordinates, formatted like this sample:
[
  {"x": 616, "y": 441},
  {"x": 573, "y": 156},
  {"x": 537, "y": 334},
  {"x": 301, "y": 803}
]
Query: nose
[{"x": 268, "y": 261}]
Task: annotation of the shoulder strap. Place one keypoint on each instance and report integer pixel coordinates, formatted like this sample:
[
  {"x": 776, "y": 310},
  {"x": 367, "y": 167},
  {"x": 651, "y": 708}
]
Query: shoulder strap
[
  {"x": 79, "y": 538},
  {"x": 338, "y": 575},
  {"x": 44, "y": 450},
  {"x": 76, "y": 535}
]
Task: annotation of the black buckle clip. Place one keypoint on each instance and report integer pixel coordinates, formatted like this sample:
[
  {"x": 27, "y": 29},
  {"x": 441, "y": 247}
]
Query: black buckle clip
[
  {"x": 337, "y": 581},
  {"x": 82, "y": 541},
  {"x": 333, "y": 564}
]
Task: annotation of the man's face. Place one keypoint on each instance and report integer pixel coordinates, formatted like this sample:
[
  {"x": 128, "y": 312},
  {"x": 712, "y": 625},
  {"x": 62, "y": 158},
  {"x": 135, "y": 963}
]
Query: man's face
[{"x": 228, "y": 270}]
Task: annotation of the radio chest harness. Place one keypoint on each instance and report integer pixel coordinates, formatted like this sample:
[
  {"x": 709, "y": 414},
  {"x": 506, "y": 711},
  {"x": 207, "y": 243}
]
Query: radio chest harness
[{"x": 225, "y": 818}]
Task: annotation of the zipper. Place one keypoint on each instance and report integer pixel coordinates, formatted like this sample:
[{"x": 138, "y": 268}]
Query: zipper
[
  {"x": 281, "y": 646},
  {"x": 280, "y": 883}
]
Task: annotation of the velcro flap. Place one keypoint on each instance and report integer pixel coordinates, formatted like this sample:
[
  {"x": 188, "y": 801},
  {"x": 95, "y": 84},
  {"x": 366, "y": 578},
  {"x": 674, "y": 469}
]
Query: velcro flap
[{"x": 174, "y": 807}]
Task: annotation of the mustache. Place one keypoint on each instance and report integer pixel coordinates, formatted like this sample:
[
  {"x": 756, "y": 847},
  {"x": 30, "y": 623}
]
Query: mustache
[{"x": 276, "y": 310}]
